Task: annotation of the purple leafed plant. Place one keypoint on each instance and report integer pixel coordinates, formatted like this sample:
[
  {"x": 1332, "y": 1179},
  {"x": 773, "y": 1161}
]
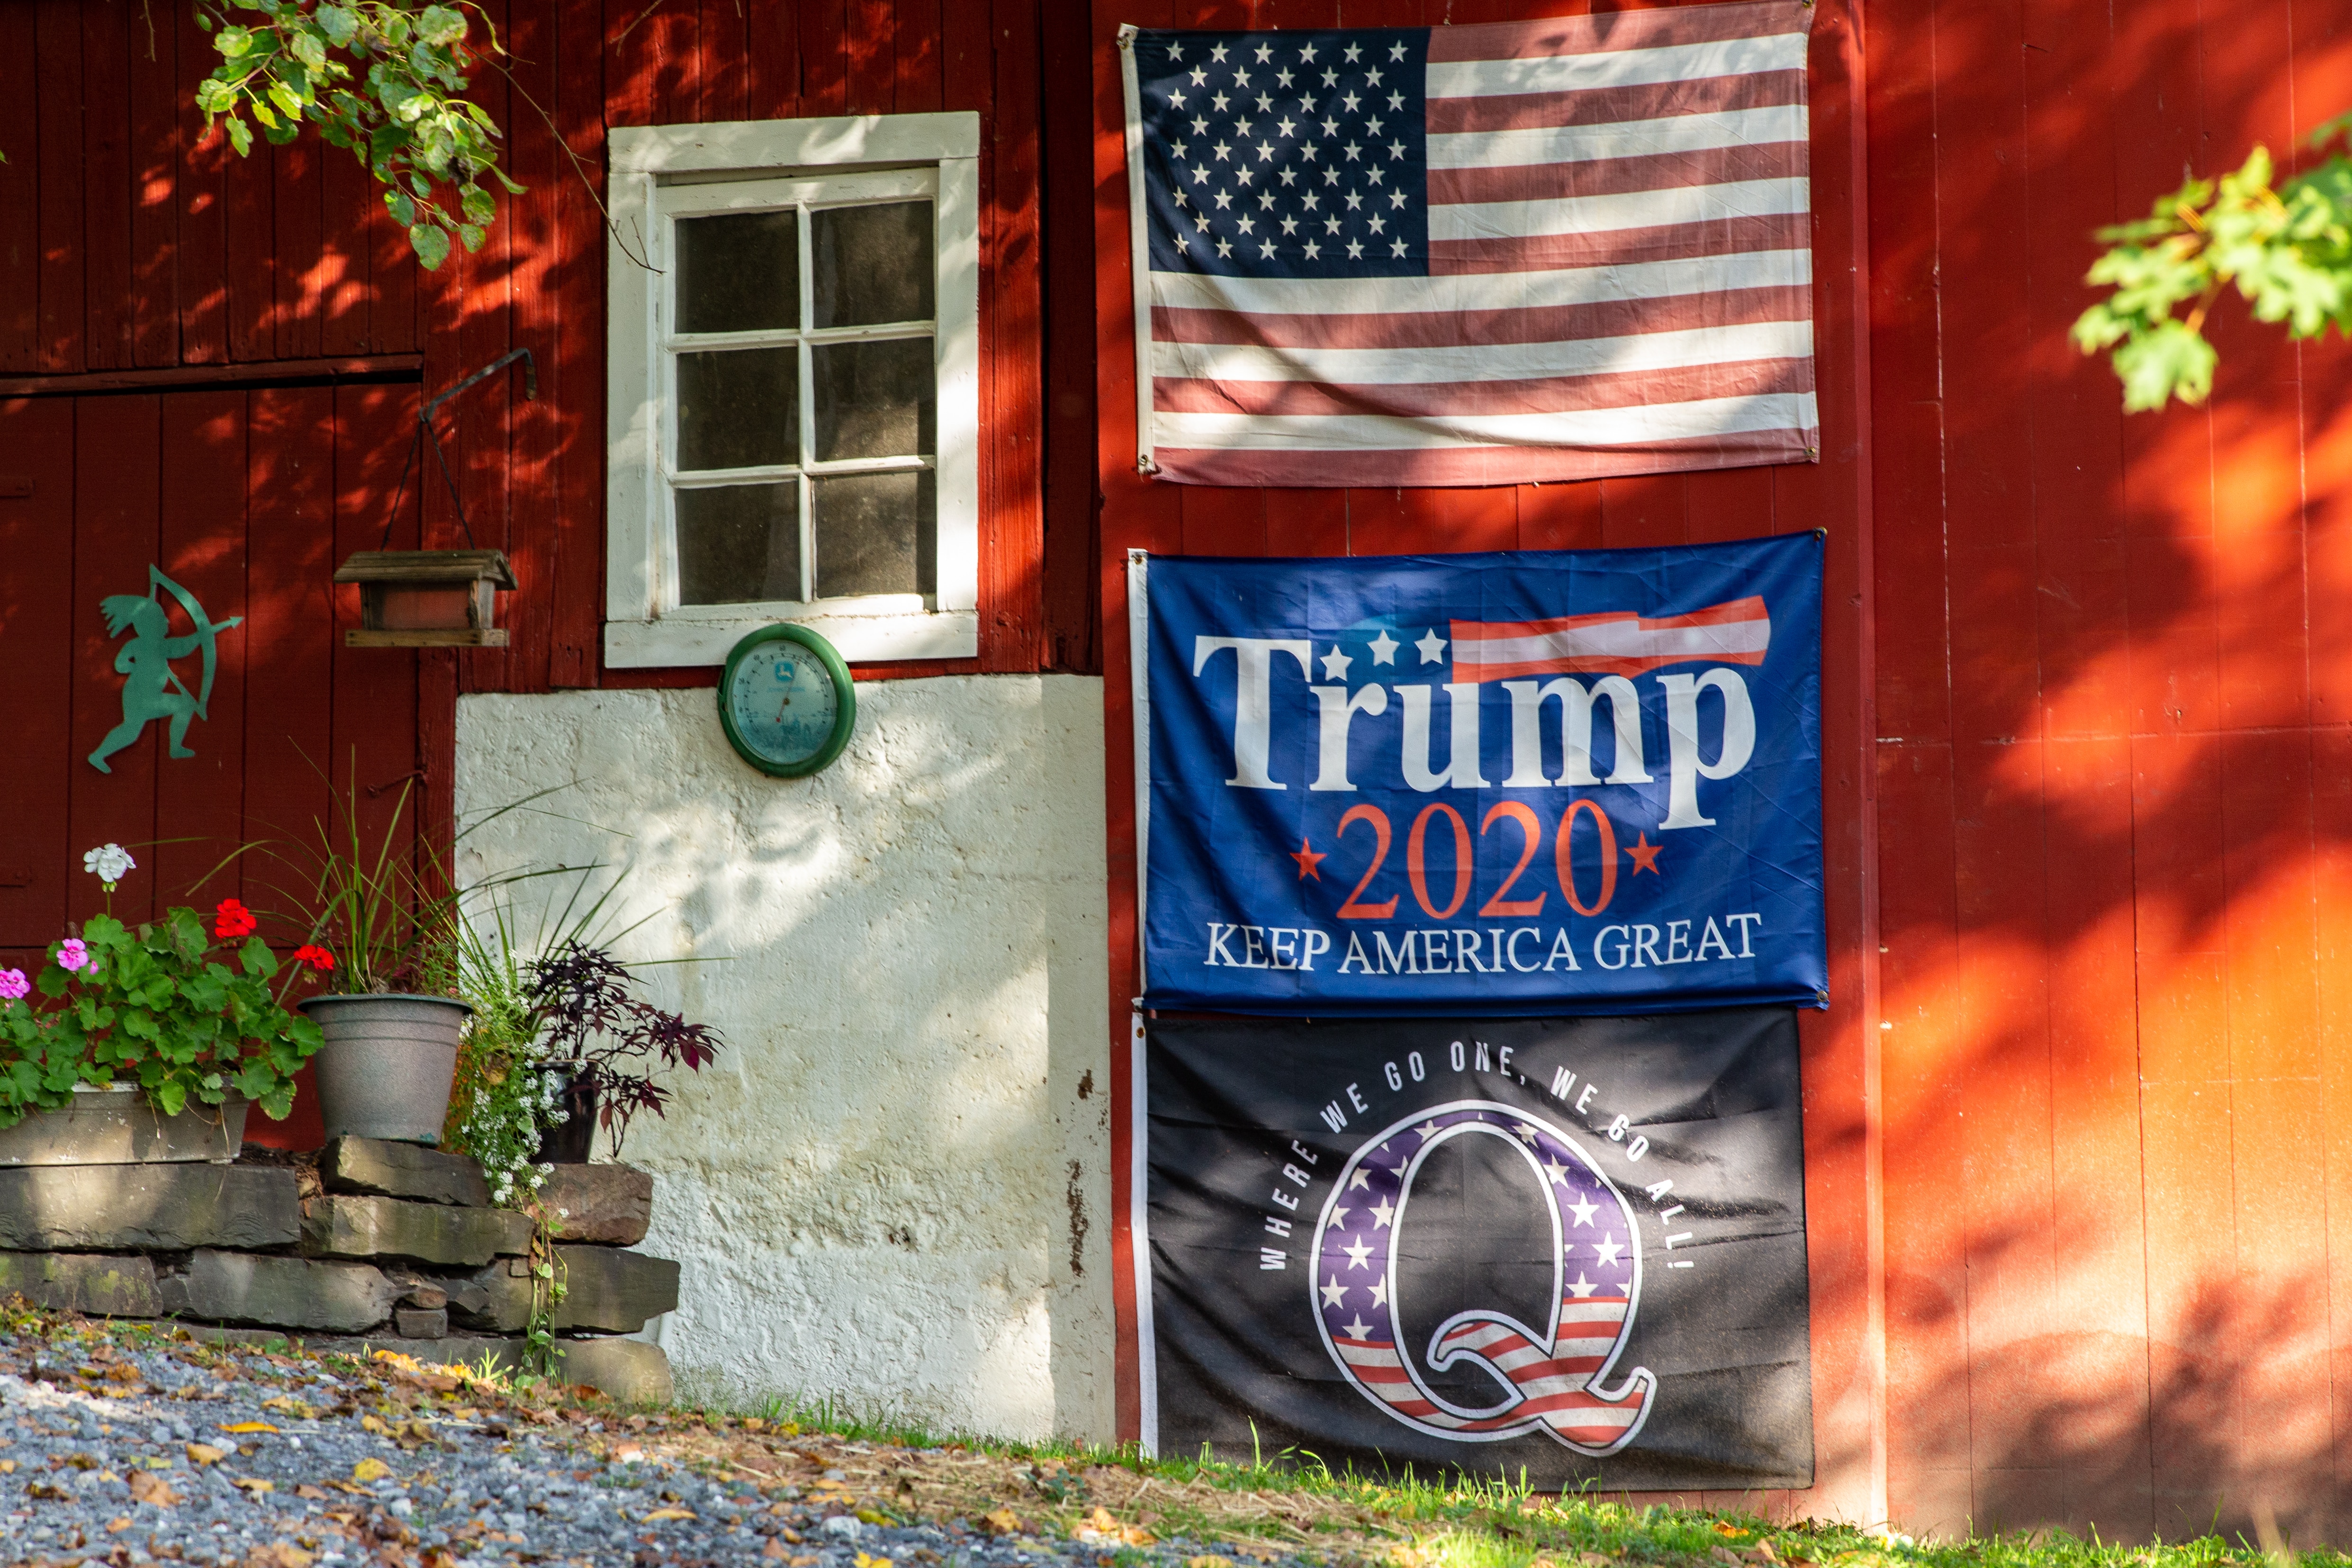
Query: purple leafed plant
[{"x": 584, "y": 998}]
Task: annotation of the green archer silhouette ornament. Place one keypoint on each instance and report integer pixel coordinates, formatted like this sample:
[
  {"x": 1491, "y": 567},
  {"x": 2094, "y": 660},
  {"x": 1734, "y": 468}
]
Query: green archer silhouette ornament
[{"x": 146, "y": 659}]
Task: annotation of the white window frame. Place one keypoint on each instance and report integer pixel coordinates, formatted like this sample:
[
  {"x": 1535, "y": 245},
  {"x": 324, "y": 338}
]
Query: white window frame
[{"x": 644, "y": 623}]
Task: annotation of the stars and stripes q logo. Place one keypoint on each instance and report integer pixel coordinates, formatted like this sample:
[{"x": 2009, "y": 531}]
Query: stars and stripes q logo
[{"x": 1555, "y": 1378}]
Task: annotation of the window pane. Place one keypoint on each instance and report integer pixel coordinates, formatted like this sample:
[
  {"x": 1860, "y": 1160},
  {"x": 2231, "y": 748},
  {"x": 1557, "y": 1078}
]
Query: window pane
[
  {"x": 875, "y": 533},
  {"x": 874, "y": 400},
  {"x": 738, "y": 541},
  {"x": 873, "y": 264},
  {"x": 738, "y": 409},
  {"x": 739, "y": 272}
]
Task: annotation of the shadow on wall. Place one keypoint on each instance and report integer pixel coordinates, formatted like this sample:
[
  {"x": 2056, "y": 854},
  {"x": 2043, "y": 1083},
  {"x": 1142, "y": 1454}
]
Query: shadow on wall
[
  {"x": 2115, "y": 703},
  {"x": 2067, "y": 1452},
  {"x": 892, "y": 1186}
]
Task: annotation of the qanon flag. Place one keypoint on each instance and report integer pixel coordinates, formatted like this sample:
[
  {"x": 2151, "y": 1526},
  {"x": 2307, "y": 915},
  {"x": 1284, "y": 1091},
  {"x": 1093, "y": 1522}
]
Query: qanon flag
[
  {"x": 1567, "y": 1249},
  {"x": 1498, "y": 785}
]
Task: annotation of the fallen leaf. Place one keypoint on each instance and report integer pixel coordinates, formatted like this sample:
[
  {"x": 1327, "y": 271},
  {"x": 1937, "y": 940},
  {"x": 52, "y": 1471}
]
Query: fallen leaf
[
  {"x": 874, "y": 1516},
  {"x": 313, "y": 1494},
  {"x": 369, "y": 1469},
  {"x": 110, "y": 1476},
  {"x": 147, "y": 1487},
  {"x": 248, "y": 1427},
  {"x": 50, "y": 1491},
  {"x": 119, "y": 1525},
  {"x": 863, "y": 1561},
  {"x": 205, "y": 1454},
  {"x": 1208, "y": 1560},
  {"x": 281, "y": 1554},
  {"x": 1004, "y": 1521},
  {"x": 7, "y": 1467},
  {"x": 372, "y": 1424},
  {"x": 254, "y": 1484},
  {"x": 668, "y": 1513},
  {"x": 774, "y": 1551}
]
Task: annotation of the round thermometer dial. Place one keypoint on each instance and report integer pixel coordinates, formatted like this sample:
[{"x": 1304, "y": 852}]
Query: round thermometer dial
[{"x": 785, "y": 700}]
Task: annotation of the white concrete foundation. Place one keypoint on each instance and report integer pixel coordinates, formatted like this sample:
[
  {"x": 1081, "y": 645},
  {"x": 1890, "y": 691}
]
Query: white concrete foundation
[{"x": 894, "y": 1186}]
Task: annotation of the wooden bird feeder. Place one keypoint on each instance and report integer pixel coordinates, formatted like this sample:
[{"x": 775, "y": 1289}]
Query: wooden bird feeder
[
  {"x": 427, "y": 598},
  {"x": 434, "y": 598}
]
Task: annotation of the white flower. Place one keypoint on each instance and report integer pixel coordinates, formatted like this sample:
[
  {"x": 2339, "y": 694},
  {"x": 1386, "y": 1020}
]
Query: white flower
[{"x": 107, "y": 862}]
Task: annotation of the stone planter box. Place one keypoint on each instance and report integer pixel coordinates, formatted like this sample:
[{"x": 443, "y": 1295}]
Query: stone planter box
[{"x": 116, "y": 1126}]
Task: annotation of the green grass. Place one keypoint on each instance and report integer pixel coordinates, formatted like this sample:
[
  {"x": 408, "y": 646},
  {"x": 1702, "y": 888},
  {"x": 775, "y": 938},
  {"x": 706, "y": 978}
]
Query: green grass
[{"x": 1471, "y": 1522}]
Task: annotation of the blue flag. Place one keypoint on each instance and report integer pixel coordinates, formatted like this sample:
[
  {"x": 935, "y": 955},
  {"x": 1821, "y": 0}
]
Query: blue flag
[{"x": 1500, "y": 784}]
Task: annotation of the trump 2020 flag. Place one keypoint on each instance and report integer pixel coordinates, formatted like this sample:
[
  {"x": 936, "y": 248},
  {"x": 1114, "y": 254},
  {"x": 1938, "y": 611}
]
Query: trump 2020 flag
[
  {"x": 1515, "y": 783},
  {"x": 1514, "y": 251},
  {"x": 1572, "y": 1251}
]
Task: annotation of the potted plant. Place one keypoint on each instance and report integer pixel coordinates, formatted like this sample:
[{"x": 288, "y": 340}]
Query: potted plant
[
  {"x": 603, "y": 1037},
  {"x": 147, "y": 1043},
  {"x": 391, "y": 1028}
]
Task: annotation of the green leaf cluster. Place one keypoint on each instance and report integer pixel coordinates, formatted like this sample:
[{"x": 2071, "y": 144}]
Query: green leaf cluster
[
  {"x": 160, "y": 1006},
  {"x": 382, "y": 78},
  {"x": 2287, "y": 251}
]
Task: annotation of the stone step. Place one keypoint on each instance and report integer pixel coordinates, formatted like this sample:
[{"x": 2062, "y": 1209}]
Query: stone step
[
  {"x": 337, "y": 1225},
  {"x": 373, "y": 1167},
  {"x": 613, "y": 1205},
  {"x": 279, "y": 1292},
  {"x": 147, "y": 1208},
  {"x": 93, "y": 1284},
  {"x": 607, "y": 1290}
]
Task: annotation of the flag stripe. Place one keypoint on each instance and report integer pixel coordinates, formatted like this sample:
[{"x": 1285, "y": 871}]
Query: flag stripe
[
  {"x": 1482, "y": 465},
  {"x": 1608, "y": 31},
  {"x": 1455, "y": 329},
  {"x": 1625, "y": 68},
  {"x": 1632, "y": 391},
  {"x": 1617, "y": 247},
  {"x": 1615, "y": 139},
  {"x": 1582, "y": 427},
  {"x": 1585, "y": 216},
  {"x": 1760, "y": 266},
  {"x": 1611, "y": 105},
  {"x": 1501, "y": 361},
  {"x": 1529, "y": 181}
]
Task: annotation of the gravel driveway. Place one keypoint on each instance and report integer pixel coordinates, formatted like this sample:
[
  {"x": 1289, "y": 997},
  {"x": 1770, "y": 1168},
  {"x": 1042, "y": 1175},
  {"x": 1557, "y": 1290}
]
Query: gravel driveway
[{"x": 129, "y": 1447}]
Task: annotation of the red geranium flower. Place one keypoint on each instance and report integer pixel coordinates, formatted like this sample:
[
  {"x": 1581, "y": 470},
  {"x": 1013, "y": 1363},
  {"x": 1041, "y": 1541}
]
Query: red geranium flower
[
  {"x": 318, "y": 958},
  {"x": 231, "y": 920}
]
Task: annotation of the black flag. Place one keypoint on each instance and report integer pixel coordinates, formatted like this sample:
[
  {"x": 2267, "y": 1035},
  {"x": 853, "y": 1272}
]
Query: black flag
[{"x": 1574, "y": 1248}]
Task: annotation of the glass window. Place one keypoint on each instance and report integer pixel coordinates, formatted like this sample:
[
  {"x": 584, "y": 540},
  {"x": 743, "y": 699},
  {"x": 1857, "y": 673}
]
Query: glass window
[{"x": 802, "y": 454}]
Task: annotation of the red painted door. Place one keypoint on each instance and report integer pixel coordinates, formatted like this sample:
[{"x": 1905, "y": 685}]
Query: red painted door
[{"x": 248, "y": 498}]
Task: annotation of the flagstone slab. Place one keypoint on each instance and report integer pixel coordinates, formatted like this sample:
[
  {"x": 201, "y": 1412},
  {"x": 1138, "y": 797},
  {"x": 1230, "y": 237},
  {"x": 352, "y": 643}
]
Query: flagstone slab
[
  {"x": 147, "y": 1208},
  {"x": 338, "y": 1225},
  {"x": 94, "y": 1284},
  {"x": 279, "y": 1292},
  {"x": 374, "y": 1167},
  {"x": 613, "y": 1205}
]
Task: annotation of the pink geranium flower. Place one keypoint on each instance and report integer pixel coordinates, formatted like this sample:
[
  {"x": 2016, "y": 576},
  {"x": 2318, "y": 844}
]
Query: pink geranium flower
[
  {"x": 73, "y": 954},
  {"x": 12, "y": 984}
]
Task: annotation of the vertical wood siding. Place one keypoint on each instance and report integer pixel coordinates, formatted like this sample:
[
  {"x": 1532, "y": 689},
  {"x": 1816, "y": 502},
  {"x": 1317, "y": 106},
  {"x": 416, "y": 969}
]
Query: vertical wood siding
[
  {"x": 1167, "y": 519},
  {"x": 244, "y": 498},
  {"x": 133, "y": 240},
  {"x": 2114, "y": 682}
]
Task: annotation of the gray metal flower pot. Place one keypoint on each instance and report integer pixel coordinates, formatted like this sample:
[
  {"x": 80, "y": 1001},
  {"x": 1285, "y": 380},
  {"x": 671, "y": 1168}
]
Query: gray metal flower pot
[{"x": 386, "y": 1068}]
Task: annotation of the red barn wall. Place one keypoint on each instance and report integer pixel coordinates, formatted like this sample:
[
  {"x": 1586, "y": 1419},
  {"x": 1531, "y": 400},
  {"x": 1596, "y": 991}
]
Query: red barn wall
[
  {"x": 2113, "y": 683},
  {"x": 1839, "y": 1046}
]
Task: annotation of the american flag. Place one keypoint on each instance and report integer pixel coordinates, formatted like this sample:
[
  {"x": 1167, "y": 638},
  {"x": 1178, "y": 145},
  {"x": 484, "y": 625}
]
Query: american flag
[
  {"x": 1480, "y": 255},
  {"x": 1618, "y": 643}
]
